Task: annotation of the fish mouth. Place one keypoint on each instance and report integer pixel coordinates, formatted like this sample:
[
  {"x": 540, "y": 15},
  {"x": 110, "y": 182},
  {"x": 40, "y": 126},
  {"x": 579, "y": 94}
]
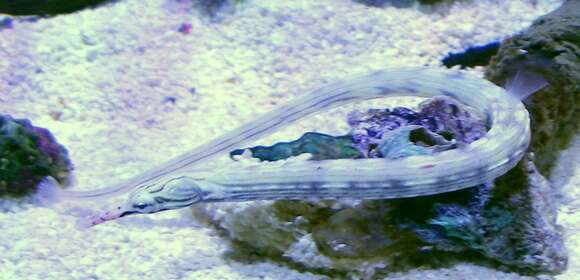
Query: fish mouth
[{"x": 127, "y": 213}]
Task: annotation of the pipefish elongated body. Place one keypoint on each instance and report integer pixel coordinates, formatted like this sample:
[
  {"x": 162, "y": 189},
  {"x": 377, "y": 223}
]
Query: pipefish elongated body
[{"x": 167, "y": 187}]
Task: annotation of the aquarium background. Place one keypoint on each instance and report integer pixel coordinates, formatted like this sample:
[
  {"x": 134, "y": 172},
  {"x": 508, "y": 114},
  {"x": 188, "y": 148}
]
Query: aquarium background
[{"x": 132, "y": 83}]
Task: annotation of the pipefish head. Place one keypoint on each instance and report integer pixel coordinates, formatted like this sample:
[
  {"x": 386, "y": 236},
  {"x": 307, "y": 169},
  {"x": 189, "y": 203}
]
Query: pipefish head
[
  {"x": 154, "y": 197},
  {"x": 166, "y": 195}
]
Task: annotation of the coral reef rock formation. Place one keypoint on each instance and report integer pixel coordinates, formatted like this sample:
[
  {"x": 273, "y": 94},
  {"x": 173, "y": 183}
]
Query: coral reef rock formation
[
  {"x": 550, "y": 48},
  {"x": 510, "y": 222},
  {"x": 28, "y": 154}
]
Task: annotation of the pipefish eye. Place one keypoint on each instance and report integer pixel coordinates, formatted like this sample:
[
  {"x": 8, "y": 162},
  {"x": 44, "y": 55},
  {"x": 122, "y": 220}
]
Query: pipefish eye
[
  {"x": 142, "y": 201},
  {"x": 140, "y": 205}
]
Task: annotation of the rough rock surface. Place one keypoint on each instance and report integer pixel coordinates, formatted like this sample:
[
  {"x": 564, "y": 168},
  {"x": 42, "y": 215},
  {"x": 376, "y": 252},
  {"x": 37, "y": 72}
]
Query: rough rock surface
[
  {"x": 551, "y": 48},
  {"x": 511, "y": 223},
  {"x": 28, "y": 154}
]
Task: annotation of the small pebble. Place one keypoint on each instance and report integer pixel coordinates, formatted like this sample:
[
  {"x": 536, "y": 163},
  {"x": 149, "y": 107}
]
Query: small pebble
[{"x": 170, "y": 99}]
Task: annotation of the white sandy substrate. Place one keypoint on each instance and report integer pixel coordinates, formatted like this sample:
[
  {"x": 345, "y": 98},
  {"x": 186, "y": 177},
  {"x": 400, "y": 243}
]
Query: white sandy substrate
[{"x": 100, "y": 81}]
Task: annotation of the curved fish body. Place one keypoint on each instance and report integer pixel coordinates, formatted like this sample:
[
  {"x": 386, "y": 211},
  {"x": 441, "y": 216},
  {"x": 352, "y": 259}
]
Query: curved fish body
[
  {"x": 480, "y": 162},
  {"x": 168, "y": 187}
]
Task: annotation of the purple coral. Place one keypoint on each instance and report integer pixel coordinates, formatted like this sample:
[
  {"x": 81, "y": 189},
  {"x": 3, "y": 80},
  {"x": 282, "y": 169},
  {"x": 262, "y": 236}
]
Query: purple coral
[{"x": 440, "y": 115}]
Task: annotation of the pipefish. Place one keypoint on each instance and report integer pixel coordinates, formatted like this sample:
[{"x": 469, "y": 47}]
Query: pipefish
[{"x": 169, "y": 187}]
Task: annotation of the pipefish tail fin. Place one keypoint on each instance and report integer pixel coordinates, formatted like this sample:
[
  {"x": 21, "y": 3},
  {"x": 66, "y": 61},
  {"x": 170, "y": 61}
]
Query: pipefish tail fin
[{"x": 525, "y": 83}]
